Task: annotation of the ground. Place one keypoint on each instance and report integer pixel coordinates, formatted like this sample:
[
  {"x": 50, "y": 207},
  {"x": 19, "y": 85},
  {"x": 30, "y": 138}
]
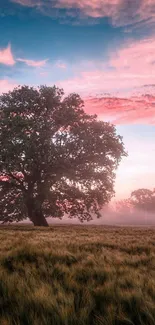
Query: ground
[{"x": 77, "y": 275}]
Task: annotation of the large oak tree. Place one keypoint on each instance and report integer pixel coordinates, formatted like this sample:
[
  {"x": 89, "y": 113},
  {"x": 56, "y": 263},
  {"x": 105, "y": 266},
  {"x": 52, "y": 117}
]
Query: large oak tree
[{"x": 54, "y": 158}]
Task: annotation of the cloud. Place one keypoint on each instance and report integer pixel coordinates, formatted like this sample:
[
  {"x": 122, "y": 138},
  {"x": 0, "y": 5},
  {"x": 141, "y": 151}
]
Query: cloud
[
  {"x": 136, "y": 57},
  {"x": 120, "y": 12},
  {"x": 131, "y": 69},
  {"x": 6, "y": 56},
  {"x": 133, "y": 65},
  {"x": 139, "y": 110},
  {"x": 33, "y": 63},
  {"x": 6, "y": 85},
  {"x": 27, "y": 3}
]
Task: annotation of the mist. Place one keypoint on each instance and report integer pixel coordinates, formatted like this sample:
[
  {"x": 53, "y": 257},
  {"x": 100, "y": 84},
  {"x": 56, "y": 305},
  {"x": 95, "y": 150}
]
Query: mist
[{"x": 109, "y": 217}]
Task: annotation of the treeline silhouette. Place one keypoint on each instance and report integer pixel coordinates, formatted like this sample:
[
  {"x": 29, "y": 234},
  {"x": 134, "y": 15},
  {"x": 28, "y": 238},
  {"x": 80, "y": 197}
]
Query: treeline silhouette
[{"x": 138, "y": 209}]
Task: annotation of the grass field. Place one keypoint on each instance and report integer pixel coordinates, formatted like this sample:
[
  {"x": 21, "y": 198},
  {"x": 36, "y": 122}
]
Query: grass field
[{"x": 77, "y": 275}]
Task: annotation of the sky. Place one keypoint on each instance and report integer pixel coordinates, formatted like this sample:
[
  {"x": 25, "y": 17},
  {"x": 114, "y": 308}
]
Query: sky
[{"x": 103, "y": 50}]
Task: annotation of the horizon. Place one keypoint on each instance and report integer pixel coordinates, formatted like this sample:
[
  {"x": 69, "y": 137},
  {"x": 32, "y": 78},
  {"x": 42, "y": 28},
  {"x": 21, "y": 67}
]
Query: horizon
[{"x": 102, "y": 50}]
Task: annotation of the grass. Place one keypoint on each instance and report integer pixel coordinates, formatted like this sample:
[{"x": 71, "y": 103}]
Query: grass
[{"x": 79, "y": 275}]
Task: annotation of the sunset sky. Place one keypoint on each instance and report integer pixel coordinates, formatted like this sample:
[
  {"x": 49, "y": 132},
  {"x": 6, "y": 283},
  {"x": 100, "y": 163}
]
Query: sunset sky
[{"x": 102, "y": 49}]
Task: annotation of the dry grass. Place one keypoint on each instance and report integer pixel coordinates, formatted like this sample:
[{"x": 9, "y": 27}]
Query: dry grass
[{"x": 77, "y": 275}]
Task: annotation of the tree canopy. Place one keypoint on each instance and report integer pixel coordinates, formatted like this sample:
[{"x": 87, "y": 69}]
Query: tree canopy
[
  {"x": 55, "y": 159},
  {"x": 143, "y": 199}
]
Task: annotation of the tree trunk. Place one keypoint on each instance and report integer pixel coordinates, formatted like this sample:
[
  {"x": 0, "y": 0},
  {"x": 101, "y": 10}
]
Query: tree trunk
[
  {"x": 39, "y": 220},
  {"x": 35, "y": 213}
]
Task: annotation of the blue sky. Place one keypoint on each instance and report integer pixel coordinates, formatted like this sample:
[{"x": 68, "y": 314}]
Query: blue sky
[{"x": 102, "y": 49}]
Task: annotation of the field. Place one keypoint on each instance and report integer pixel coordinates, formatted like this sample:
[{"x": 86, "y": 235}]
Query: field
[{"x": 77, "y": 275}]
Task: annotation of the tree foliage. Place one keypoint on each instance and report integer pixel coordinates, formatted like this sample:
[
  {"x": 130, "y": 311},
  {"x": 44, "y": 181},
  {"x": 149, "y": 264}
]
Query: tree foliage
[
  {"x": 55, "y": 159},
  {"x": 123, "y": 206},
  {"x": 143, "y": 199}
]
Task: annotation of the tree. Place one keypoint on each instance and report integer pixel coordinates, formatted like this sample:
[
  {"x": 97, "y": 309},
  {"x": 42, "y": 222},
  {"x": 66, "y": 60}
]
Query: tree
[
  {"x": 144, "y": 199},
  {"x": 124, "y": 206},
  {"x": 55, "y": 159}
]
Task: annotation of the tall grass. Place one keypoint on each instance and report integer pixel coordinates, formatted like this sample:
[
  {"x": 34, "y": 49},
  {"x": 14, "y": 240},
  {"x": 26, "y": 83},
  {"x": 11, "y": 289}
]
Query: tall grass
[{"x": 77, "y": 275}]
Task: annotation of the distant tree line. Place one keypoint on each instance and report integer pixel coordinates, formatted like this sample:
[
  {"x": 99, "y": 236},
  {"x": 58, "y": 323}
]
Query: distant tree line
[
  {"x": 139, "y": 207},
  {"x": 142, "y": 199}
]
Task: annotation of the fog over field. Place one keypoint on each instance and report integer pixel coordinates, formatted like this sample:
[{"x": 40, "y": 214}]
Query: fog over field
[{"x": 136, "y": 218}]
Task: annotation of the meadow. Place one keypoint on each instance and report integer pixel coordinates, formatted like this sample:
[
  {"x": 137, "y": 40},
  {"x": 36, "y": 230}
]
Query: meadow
[{"x": 77, "y": 275}]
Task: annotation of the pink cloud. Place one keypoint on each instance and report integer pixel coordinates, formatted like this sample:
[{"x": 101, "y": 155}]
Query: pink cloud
[
  {"x": 140, "y": 109},
  {"x": 137, "y": 57},
  {"x": 136, "y": 71},
  {"x": 6, "y": 56},
  {"x": 33, "y": 63},
  {"x": 6, "y": 85},
  {"x": 121, "y": 12},
  {"x": 27, "y": 3},
  {"x": 131, "y": 66}
]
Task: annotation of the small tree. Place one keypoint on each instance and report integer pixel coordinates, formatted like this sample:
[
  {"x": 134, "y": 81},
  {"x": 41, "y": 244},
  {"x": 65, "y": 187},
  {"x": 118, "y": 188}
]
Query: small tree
[
  {"x": 144, "y": 199},
  {"x": 54, "y": 158}
]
